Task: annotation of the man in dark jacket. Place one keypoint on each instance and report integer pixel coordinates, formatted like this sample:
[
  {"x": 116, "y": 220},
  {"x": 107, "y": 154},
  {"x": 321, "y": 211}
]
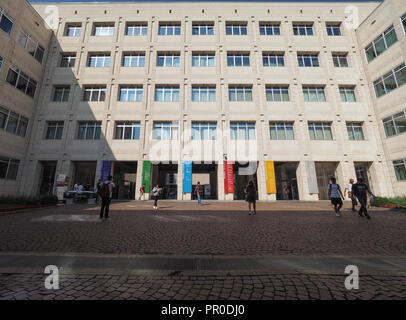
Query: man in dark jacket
[{"x": 361, "y": 190}]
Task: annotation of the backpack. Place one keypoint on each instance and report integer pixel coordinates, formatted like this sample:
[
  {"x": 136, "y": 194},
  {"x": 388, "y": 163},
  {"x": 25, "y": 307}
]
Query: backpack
[{"x": 105, "y": 190}]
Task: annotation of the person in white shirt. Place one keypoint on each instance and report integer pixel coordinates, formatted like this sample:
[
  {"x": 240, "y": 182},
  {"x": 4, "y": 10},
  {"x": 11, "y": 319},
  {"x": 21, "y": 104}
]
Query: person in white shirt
[
  {"x": 106, "y": 192},
  {"x": 348, "y": 189},
  {"x": 80, "y": 188}
]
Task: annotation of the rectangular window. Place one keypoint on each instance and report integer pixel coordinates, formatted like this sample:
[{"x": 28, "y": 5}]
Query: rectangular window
[
  {"x": 347, "y": 94},
  {"x": 61, "y": 93},
  {"x": 134, "y": 60},
  {"x": 395, "y": 124},
  {"x": 204, "y": 94},
  {"x": 99, "y": 60},
  {"x": 54, "y": 130},
  {"x": 277, "y": 93},
  {"x": 95, "y": 93},
  {"x": 168, "y": 60},
  {"x": 281, "y": 131},
  {"x": 102, "y": 30},
  {"x": 236, "y": 29},
  {"x": 400, "y": 169},
  {"x": 89, "y": 130},
  {"x": 403, "y": 20},
  {"x": 273, "y": 60},
  {"x": 167, "y": 94},
  {"x": 308, "y": 60},
  {"x": 340, "y": 60},
  {"x": 73, "y": 29},
  {"x": 320, "y": 131},
  {"x": 269, "y": 29},
  {"x": 169, "y": 29},
  {"x": 31, "y": 45},
  {"x": 354, "y": 130},
  {"x": 131, "y": 94},
  {"x": 238, "y": 60},
  {"x": 203, "y": 60},
  {"x": 203, "y": 29},
  {"x": 204, "y": 131},
  {"x": 6, "y": 22},
  {"x": 127, "y": 130},
  {"x": 239, "y": 93},
  {"x": 67, "y": 60},
  {"x": 315, "y": 94},
  {"x": 3, "y": 117},
  {"x": 303, "y": 29},
  {"x": 13, "y": 122},
  {"x": 136, "y": 29},
  {"x": 8, "y": 168},
  {"x": 333, "y": 29},
  {"x": 165, "y": 130},
  {"x": 390, "y": 81},
  {"x": 21, "y": 81},
  {"x": 381, "y": 43},
  {"x": 242, "y": 131}
]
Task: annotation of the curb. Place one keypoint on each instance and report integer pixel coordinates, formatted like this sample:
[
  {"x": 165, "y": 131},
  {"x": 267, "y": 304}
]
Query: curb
[
  {"x": 390, "y": 206},
  {"x": 34, "y": 206}
]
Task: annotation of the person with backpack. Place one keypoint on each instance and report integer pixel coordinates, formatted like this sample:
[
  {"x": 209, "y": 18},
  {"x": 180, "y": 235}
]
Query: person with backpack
[
  {"x": 156, "y": 192},
  {"x": 97, "y": 189},
  {"x": 106, "y": 192},
  {"x": 198, "y": 192},
  {"x": 335, "y": 195},
  {"x": 361, "y": 190},
  {"x": 251, "y": 196}
]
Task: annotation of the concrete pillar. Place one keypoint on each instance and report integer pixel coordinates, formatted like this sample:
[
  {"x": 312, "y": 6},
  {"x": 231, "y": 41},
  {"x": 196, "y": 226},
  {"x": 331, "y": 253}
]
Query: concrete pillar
[
  {"x": 261, "y": 180},
  {"x": 138, "y": 183},
  {"x": 220, "y": 181},
  {"x": 302, "y": 183}
]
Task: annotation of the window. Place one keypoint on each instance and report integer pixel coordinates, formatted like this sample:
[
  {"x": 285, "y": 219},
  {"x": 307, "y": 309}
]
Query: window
[
  {"x": 54, "y": 130},
  {"x": 203, "y": 60},
  {"x": 101, "y": 30},
  {"x": 281, "y": 131},
  {"x": 354, "y": 130},
  {"x": 204, "y": 131},
  {"x": 340, "y": 60},
  {"x": 21, "y": 81},
  {"x": 73, "y": 30},
  {"x": 1, "y": 62},
  {"x": 13, "y": 122},
  {"x": 239, "y": 93},
  {"x": 273, "y": 60},
  {"x": 167, "y": 94},
  {"x": 8, "y": 168},
  {"x": 165, "y": 130},
  {"x": 236, "y": 29},
  {"x": 204, "y": 94},
  {"x": 99, "y": 60},
  {"x": 134, "y": 60},
  {"x": 136, "y": 29},
  {"x": 61, "y": 93},
  {"x": 381, "y": 43},
  {"x": 89, "y": 130},
  {"x": 95, "y": 93},
  {"x": 400, "y": 169},
  {"x": 347, "y": 94},
  {"x": 169, "y": 29},
  {"x": 308, "y": 60},
  {"x": 315, "y": 94},
  {"x": 390, "y": 81},
  {"x": 6, "y": 22},
  {"x": 242, "y": 131},
  {"x": 395, "y": 124},
  {"x": 203, "y": 29},
  {"x": 303, "y": 29},
  {"x": 403, "y": 19},
  {"x": 168, "y": 60},
  {"x": 127, "y": 131},
  {"x": 320, "y": 131},
  {"x": 130, "y": 94},
  {"x": 269, "y": 29},
  {"x": 333, "y": 29},
  {"x": 68, "y": 60},
  {"x": 238, "y": 60},
  {"x": 277, "y": 93},
  {"x": 31, "y": 45}
]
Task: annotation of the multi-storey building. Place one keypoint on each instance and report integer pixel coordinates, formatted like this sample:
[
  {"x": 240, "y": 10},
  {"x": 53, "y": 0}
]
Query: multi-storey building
[{"x": 281, "y": 93}]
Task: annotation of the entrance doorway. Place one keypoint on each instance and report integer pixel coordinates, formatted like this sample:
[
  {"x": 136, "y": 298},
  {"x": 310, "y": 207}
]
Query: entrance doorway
[
  {"x": 166, "y": 175},
  {"x": 48, "y": 170},
  {"x": 206, "y": 174},
  {"x": 362, "y": 171},
  {"x": 286, "y": 181},
  {"x": 84, "y": 172},
  {"x": 124, "y": 177},
  {"x": 243, "y": 173},
  {"x": 325, "y": 171}
]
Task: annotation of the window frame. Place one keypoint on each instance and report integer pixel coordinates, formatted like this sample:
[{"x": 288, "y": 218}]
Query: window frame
[
  {"x": 206, "y": 90},
  {"x": 331, "y": 26},
  {"x": 172, "y": 125},
  {"x": 270, "y": 91},
  {"x": 58, "y": 130},
  {"x": 209, "y": 27},
  {"x": 311, "y": 57},
  {"x": 338, "y": 57},
  {"x": 328, "y": 125},
  {"x": 242, "y": 29},
  {"x": 351, "y": 125},
  {"x": 200, "y": 126},
  {"x": 246, "y": 126},
  {"x": 303, "y": 25},
  {"x": 246, "y": 90},
  {"x": 381, "y": 81},
  {"x": 394, "y": 124},
  {"x": 4, "y": 14},
  {"x": 7, "y": 113},
  {"x": 168, "y": 59},
  {"x": 176, "y": 29},
  {"x": 396, "y": 163},
  {"x": 92, "y": 89},
  {"x": 70, "y": 57},
  {"x": 27, "y": 79},
  {"x": 265, "y": 27},
  {"x": 347, "y": 90},
  {"x": 10, "y": 162},
  {"x": 138, "y": 93},
  {"x": 174, "y": 90},
  {"x": 286, "y": 125},
  {"x": 202, "y": 57},
  {"x": 109, "y": 27},
  {"x": 135, "y": 130},
  {"x": 235, "y": 56},
  {"x": 90, "y": 125},
  {"x": 96, "y": 57},
  {"x": 65, "y": 93},
  {"x": 142, "y": 26},
  {"x": 132, "y": 57},
  {"x": 317, "y": 88},
  {"x": 269, "y": 56},
  {"x": 381, "y": 37},
  {"x": 38, "y": 47},
  {"x": 76, "y": 27}
]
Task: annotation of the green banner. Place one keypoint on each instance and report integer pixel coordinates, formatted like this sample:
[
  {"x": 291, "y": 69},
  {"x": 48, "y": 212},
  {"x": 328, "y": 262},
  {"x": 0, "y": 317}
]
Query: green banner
[{"x": 146, "y": 175}]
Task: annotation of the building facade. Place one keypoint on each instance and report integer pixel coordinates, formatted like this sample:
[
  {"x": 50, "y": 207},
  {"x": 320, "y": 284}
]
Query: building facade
[{"x": 221, "y": 93}]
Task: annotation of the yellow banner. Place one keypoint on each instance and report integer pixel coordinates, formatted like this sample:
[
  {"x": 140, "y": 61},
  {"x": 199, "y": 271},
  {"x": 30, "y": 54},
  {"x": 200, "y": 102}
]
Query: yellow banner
[{"x": 270, "y": 177}]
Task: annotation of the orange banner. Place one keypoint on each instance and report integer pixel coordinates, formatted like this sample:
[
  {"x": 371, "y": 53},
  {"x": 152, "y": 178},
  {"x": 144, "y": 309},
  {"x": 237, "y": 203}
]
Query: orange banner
[{"x": 270, "y": 177}]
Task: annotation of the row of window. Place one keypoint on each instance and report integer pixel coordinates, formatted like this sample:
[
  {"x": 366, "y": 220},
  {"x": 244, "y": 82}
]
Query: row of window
[
  {"x": 203, "y": 93},
  {"x": 13, "y": 122},
  {"x": 381, "y": 43},
  {"x": 8, "y": 168},
  {"x": 395, "y": 124},
  {"x": 129, "y": 130},
  {"x": 390, "y": 81}
]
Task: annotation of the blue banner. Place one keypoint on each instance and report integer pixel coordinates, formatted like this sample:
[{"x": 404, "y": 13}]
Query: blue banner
[
  {"x": 187, "y": 177},
  {"x": 105, "y": 169}
]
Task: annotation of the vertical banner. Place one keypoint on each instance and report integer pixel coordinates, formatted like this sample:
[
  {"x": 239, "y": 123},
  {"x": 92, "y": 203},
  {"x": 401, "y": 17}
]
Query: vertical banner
[
  {"x": 187, "y": 177},
  {"x": 146, "y": 175},
  {"x": 312, "y": 177},
  {"x": 105, "y": 169},
  {"x": 270, "y": 177},
  {"x": 228, "y": 177}
]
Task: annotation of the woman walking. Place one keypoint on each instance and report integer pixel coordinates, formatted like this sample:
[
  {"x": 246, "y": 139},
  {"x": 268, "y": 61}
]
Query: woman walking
[
  {"x": 155, "y": 195},
  {"x": 251, "y": 196}
]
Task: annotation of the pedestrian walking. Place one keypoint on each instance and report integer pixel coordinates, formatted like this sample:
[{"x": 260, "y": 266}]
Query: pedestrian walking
[
  {"x": 156, "y": 192},
  {"x": 335, "y": 195},
  {"x": 106, "y": 192},
  {"x": 142, "y": 191},
  {"x": 97, "y": 189},
  {"x": 361, "y": 190},
  {"x": 198, "y": 193},
  {"x": 348, "y": 192},
  {"x": 251, "y": 196}
]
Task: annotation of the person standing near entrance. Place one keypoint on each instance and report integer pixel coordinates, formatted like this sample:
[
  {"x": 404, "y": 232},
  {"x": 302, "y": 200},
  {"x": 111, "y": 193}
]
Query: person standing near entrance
[
  {"x": 106, "y": 192},
  {"x": 97, "y": 189},
  {"x": 348, "y": 189},
  {"x": 251, "y": 196},
  {"x": 198, "y": 193},
  {"x": 142, "y": 191},
  {"x": 156, "y": 191},
  {"x": 335, "y": 195},
  {"x": 361, "y": 190}
]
